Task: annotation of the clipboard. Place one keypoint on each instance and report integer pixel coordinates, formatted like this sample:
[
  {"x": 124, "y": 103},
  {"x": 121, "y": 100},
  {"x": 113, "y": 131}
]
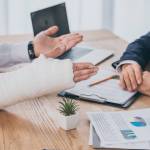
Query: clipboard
[
  {"x": 108, "y": 92},
  {"x": 101, "y": 101}
]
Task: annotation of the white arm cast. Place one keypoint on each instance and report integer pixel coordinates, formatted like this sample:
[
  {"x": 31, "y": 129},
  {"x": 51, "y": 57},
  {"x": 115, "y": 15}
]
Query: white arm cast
[{"x": 43, "y": 76}]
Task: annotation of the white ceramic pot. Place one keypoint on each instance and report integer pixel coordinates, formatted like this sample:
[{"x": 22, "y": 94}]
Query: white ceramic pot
[{"x": 68, "y": 122}]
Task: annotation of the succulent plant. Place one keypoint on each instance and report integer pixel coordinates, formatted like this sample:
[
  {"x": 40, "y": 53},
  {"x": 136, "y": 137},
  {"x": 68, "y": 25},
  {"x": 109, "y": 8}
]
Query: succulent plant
[{"x": 68, "y": 107}]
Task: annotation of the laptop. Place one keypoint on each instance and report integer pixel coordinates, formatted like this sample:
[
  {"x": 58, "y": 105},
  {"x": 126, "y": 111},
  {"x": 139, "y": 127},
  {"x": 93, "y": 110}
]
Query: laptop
[{"x": 57, "y": 15}]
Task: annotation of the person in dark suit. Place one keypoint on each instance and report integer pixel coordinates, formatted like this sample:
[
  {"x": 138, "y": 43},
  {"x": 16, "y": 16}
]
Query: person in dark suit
[{"x": 132, "y": 65}]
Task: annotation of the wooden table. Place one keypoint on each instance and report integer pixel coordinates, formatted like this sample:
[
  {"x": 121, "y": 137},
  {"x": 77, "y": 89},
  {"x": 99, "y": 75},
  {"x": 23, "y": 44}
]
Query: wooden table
[{"x": 32, "y": 125}]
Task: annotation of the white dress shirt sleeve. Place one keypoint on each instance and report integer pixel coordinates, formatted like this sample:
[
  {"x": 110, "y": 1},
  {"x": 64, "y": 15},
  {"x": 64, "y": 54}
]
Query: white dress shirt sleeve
[
  {"x": 118, "y": 68},
  {"x": 12, "y": 54}
]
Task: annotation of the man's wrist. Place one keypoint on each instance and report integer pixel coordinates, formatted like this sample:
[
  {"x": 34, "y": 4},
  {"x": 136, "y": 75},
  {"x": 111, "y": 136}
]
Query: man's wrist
[
  {"x": 125, "y": 62},
  {"x": 31, "y": 51}
]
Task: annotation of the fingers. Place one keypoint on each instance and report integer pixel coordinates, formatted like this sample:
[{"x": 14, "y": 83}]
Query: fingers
[
  {"x": 72, "y": 43},
  {"x": 138, "y": 73},
  {"x": 122, "y": 82},
  {"x": 83, "y": 71},
  {"x": 70, "y": 40},
  {"x": 51, "y": 31},
  {"x": 84, "y": 77},
  {"x": 55, "y": 52},
  {"x": 131, "y": 77},
  {"x": 127, "y": 80},
  {"x": 71, "y": 36},
  {"x": 81, "y": 66}
]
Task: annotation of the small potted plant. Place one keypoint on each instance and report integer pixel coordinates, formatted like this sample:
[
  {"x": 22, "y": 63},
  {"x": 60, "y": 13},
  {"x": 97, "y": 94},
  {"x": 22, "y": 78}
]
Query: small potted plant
[{"x": 69, "y": 117}]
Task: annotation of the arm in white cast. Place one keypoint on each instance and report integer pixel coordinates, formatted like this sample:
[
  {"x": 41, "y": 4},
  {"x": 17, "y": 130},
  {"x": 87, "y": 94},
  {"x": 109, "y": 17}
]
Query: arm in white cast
[{"x": 41, "y": 77}]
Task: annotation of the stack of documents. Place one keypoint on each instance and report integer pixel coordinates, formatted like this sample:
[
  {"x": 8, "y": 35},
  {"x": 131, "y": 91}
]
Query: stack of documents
[{"x": 123, "y": 130}]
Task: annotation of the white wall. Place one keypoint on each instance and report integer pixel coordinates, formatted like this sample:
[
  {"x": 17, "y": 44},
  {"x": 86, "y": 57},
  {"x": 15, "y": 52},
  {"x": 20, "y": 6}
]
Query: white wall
[
  {"x": 3, "y": 17},
  {"x": 19, "y": 14},
  {"x": 131, "y": 18},
  {"x": 91, "y": 14},
  {"x": 127, "y": 18},
  {"x": 83, "y": 14}
]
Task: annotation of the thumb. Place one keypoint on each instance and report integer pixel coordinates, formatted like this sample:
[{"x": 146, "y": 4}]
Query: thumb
[{"x": 51, "y": 31}]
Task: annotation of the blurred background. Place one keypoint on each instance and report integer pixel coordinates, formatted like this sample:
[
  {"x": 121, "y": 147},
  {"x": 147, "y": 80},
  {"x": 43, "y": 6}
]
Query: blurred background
[{"x": 127, "y": 18}]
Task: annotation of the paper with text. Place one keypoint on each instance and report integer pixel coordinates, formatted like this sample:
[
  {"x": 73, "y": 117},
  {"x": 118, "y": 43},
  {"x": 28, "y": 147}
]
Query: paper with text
[{"x": 128, "y": 130}]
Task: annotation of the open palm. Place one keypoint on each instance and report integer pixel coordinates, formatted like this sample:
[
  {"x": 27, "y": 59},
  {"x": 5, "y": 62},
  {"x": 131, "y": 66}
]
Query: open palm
[{"x": 45, "y": 44}]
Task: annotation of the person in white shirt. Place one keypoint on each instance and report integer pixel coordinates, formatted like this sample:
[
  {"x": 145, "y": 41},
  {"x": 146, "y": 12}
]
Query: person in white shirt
[{"x": 60, "y": 74}]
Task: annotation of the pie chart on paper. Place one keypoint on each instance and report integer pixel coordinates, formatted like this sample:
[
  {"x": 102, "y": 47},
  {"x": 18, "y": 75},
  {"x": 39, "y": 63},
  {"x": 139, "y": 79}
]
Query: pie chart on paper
[{"x": 138, "y": 122}]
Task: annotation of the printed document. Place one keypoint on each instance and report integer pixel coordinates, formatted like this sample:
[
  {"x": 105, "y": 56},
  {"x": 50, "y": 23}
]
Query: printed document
[{"x": 129, "y": 130}]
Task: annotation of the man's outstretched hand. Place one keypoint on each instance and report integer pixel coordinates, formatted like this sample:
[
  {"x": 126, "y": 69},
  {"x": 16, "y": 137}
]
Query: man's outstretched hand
[
  {"x": 45, "y": 44},
  {"x": 51, "y": 47}
]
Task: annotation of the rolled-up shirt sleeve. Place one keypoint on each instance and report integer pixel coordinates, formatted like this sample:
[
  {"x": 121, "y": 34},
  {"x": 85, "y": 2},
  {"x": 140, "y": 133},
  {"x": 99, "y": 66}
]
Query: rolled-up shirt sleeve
[{"x": 12, "y": 54}]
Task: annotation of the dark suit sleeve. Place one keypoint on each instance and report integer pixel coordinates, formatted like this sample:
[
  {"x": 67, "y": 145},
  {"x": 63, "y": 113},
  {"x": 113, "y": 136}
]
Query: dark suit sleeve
[{"x": 138, "y": 51}]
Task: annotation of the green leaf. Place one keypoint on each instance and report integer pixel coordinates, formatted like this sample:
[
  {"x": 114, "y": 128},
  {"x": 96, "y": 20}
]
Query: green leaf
[{"x": 68, "y": 107}]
